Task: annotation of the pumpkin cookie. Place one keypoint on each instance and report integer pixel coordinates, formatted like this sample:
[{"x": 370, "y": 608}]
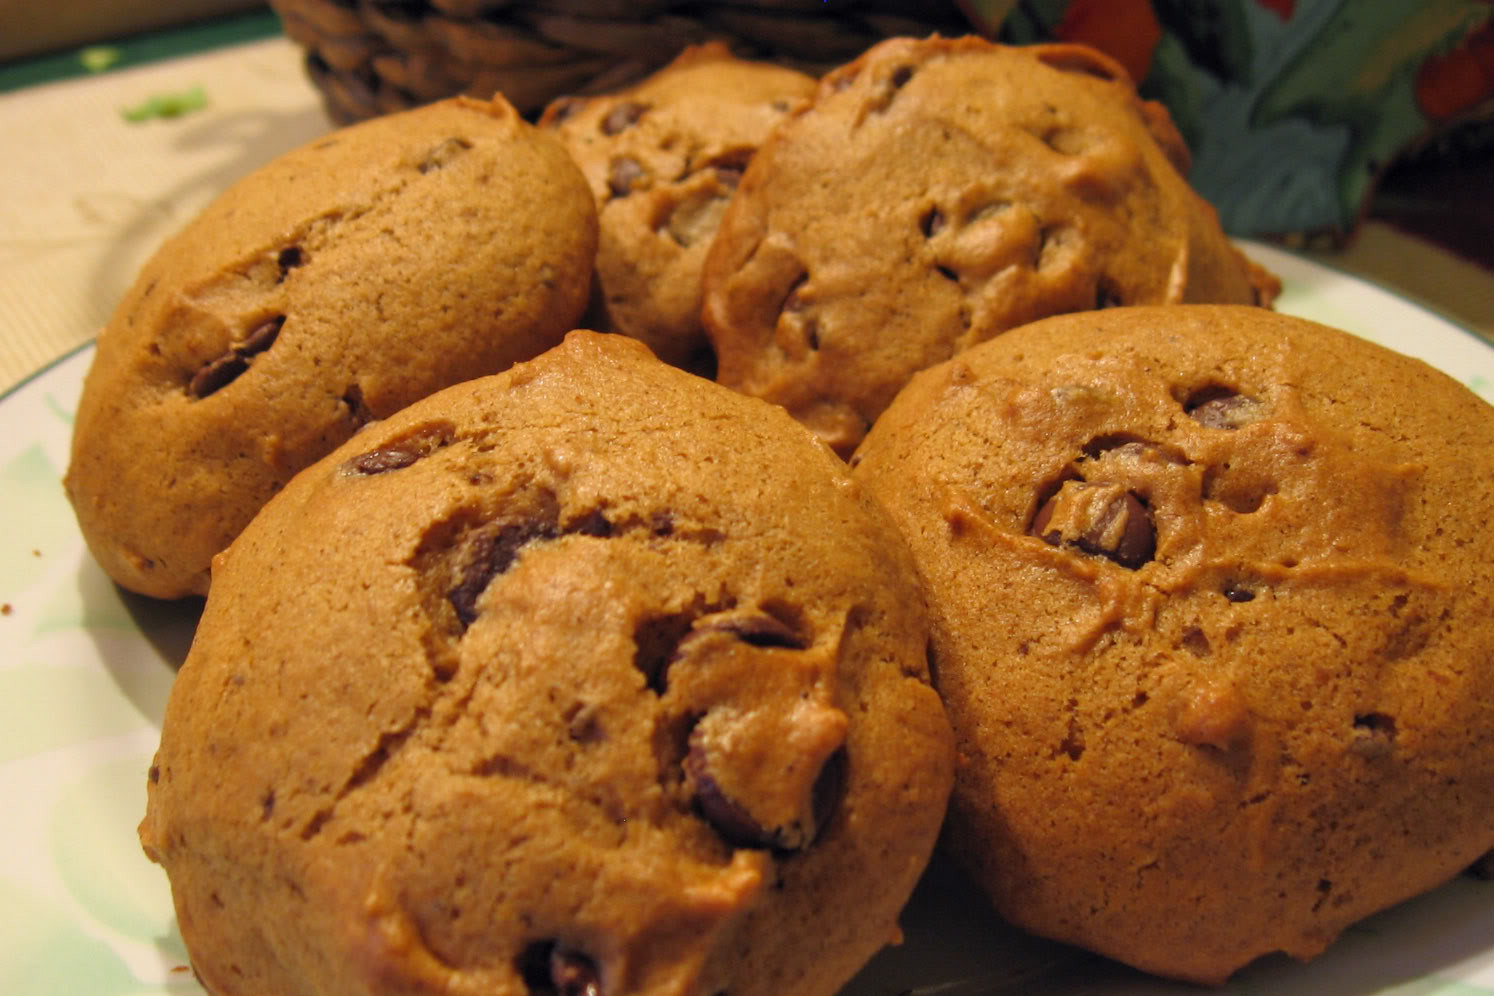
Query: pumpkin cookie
[
  {"x": 590, "y": 674},
  {"x": 329, "y": 288},
  {"x": 936, "y": 193},
  {"x": 1211, "y": 590},
  {"x": 663, "y": 158}
]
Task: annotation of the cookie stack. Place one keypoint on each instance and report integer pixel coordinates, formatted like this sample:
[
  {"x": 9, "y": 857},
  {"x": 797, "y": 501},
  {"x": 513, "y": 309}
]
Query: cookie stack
[{"x": 623, "y": 681}]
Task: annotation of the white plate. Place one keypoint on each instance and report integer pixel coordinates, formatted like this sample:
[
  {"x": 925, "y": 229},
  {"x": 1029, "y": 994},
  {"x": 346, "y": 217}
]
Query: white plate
[{"x": 84, "y": 680}]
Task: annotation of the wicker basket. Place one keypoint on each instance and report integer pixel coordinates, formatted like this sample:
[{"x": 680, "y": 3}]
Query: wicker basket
[{"x": 371, "y": 57}]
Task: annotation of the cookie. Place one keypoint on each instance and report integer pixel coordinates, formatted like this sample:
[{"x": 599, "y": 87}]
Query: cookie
[
  {"x": 663, "y": 158},
  {"x": 590, "y": 674},
  {"x": 1211, "y": 590},
  {"x": 331, "y": 287},
  {"x": 936, "y": 193}
]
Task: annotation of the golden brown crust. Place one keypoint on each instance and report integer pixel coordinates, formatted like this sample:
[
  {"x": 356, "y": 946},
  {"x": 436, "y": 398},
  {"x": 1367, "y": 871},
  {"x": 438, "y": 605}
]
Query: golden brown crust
[
  {"x": 936, "y": 193},
  {"x": 334, "y": 285},
  {"x": 1249, "y": 705},
  {"x": 663, "y": 158},
  {"x": 593, "y": 660}
]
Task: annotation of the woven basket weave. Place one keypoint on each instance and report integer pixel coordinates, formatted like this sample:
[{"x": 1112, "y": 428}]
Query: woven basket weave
[{"x": 370, "y": 57}]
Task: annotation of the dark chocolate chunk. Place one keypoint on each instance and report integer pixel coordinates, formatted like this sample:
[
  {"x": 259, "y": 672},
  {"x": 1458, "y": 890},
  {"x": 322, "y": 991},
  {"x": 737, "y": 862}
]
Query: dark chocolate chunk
[
  {"x": 760, "y": 631},
  {"x": 262, "y": 337},
  {"x": 217, "y": 375},
  {"x": 737, "y": 826},
  {"x": 1221, "y": 407},
  {"x": 625, "y": 172},
  {"x": 730, "y": 820},
  {"x": 563, "y": 109},
  {"x": 1134, "y": 546},
  {"x": 1236, "y": 592},
  {"x": 623, "y": 116},
  {"x": 932, "y": 223},
  {"x": 288, "y": 259},
  {"x": 380, "y": 461},
  {"x": 491, "y": 556}
]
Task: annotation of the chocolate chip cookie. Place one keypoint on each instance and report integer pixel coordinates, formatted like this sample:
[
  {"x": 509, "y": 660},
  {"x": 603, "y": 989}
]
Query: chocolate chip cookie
[
  {"x": 327, "y": 289},
  {"x": 663, "y": 158},
  {"x": 936, "y": 193},
  {"x": 1213, "y": 621},
  {"x": 590, "y": 677}
]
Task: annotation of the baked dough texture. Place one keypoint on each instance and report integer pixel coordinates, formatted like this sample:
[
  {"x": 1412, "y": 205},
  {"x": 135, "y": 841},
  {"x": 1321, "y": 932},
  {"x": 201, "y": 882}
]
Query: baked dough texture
[
  {"x": 333, "y": 286},
  {"x": 663, "y": 158},
  {"x": 1211, "y": 591},
  {"x": 592, "y": 673},
  {"x": 936, "y": 193}
]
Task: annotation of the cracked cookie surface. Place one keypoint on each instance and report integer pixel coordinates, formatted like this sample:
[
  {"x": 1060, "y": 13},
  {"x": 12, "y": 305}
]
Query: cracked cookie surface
[
  {"x": 936, "y": 193},
  {"x": 1211, "y": 591},
  {"x": 593, "y": 673},
  {"x": 330, "y": 287},
  {"x": 663, "y": 158}
]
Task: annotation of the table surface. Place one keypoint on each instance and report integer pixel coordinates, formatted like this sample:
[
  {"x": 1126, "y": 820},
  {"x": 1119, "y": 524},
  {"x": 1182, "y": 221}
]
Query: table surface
[{"x": 89, "y": 195}]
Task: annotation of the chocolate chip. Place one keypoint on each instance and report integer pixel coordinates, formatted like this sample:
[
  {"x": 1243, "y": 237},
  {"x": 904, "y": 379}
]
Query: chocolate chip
[
  {"x": 381, "y": 461},
  {"x": 623, "y": 116},
  {"x": 730, "y": 175},
  {"x": 563, "y": 109},
  {"x": 932, "y": 223},
  {"x": 401, "y": 452},
  {"x": 760, "y": 630},
  {"x": 735, "y": 825},
  {"x": 1120, "y": 529},
  {"x": 288, "y": 259},
  {"x": 262, "y": 337},
  {"x": 730, "y": 820},
  {"x": 1107, "y": 296},
  {"x": 1236, "y": 592},
  {"x": 491, "y": 556},
  {"x": 901, "y": 75},
  {"x": 730, "y": 166},
  {"x": 625, "y": 172},
  {"x": 1221, "y": 407},
  {"x": 1196, "y": 642},
  {"x": 219, "y": 373},
  {"x": 550, "y": 968}
]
